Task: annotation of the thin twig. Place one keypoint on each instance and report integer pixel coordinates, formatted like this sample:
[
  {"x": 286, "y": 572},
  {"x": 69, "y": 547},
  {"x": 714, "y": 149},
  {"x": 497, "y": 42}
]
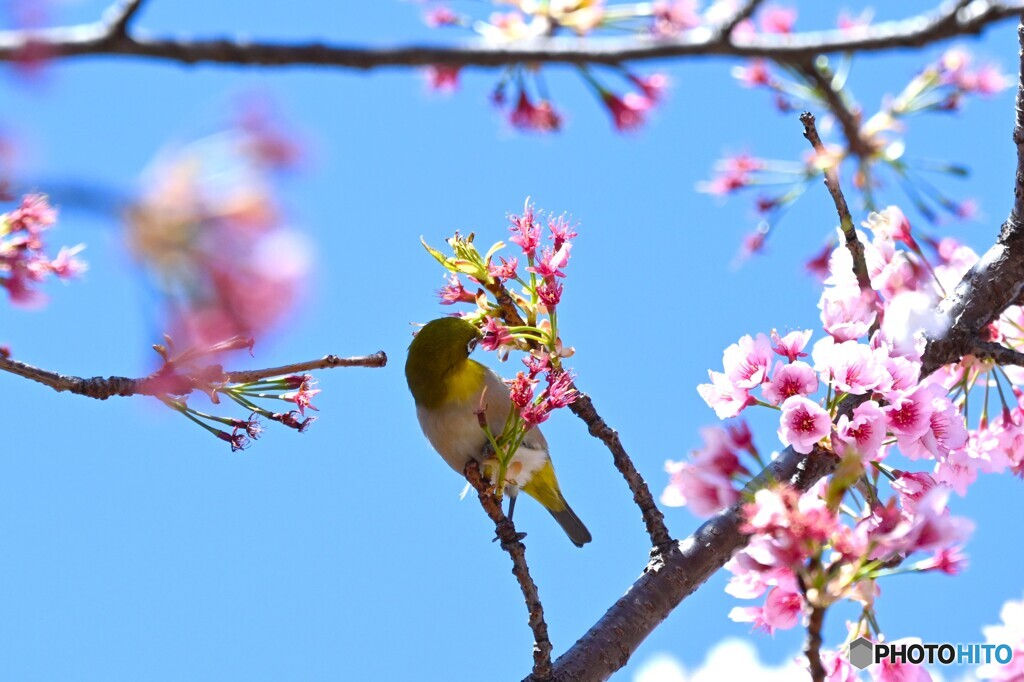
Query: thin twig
[
  {"x": 378, "y": 359},
  {"x": 849, "y": 120},
  {"x": 742, "y": 14},
  {"x": 654, "y": 520},
  {"x": 169, "y": 379},
  {"x": 917, "y": 31},
  {"x": 583, "y": 407},
  {"x": 812, "y": 645},
  {"x": 856, "y": 249},
  {"x": 119, "y": 15},
  {"x": 511, "y": 543}
]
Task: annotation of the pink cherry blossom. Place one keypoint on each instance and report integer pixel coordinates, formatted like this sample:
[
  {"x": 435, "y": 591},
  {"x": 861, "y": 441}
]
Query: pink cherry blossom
[
  {"x": 847, "y": 312},
  {"x": 909, "y": 415},
  {"x": 946, "y": 432},
  {"x": 442, "y": 78},
  {"x": 929, "y": 527},
  {"x": 838, "y": 667},
  {"x": 851, "y": 366},
  {"x": 786, "y": 381},
  {"x": 525, "y": 231},
  {"x": 863, "y": 433},
  {"x": 754, "y": 74},
  {"x": 803, "y": 424},
  {"x": 948, "y": 560},
  {"x": 791, "y": 345},
  {"x": 653, "y": 87},
  {"x": 781, "y": 611},
  {"x": 747, "y": 361},
  {"x": 495, "y": 335},
  {"x": 891, "y": 224},
  {"x": 911, "y": 486},
  {"x": 703, "y": 490},
  {"x": 454, "y": 292},
  {"x": 723, "y": 396},
  {"x": 629, "y": 111},
  {"x": 777, "y": 19}
]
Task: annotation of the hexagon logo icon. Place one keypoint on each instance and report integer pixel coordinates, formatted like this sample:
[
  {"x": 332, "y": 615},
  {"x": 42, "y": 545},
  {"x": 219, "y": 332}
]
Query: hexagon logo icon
[{"x": 861, "y": 652}]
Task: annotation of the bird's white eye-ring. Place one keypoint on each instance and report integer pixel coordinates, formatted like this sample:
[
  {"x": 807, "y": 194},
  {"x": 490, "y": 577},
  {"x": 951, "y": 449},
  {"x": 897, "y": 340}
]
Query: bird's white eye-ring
[{"x": 472, "y": 344}]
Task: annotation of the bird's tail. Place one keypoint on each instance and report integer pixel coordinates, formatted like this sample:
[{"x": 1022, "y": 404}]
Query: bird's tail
[
  {"x": 571, "y": 524},
  {"x": 543, "y": 487}
]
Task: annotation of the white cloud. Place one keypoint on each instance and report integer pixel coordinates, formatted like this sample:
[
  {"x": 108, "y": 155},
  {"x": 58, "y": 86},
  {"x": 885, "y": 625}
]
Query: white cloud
[{"x": 730, "y": 659}]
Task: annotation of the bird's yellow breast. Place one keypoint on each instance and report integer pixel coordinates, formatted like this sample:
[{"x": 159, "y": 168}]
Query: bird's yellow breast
[{"x": 464, "y": 381}]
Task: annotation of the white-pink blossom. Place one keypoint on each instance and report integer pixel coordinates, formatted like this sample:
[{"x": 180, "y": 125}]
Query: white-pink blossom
[{"x": 803, "y": 423}]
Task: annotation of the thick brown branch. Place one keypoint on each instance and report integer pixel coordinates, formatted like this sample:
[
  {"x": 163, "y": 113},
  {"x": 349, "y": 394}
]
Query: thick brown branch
[
  {"x": 997, "y": 280},
  {"x": 856, "y": 249},
  {"x": 672, "y": 576},
  {"x": 511, "y": 543},
  {"x": 169, "y": 380},
  {"x": 97, "y": 39},
  {"x": 998, "y": 353}
]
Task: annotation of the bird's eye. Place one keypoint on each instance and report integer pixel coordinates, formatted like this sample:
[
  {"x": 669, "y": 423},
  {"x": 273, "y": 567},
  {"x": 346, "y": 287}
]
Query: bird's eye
[{"x": 471, "y": 345}]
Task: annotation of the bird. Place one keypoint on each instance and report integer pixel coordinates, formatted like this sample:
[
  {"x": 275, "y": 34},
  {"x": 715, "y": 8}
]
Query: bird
[{"x": 449, "y": 388}]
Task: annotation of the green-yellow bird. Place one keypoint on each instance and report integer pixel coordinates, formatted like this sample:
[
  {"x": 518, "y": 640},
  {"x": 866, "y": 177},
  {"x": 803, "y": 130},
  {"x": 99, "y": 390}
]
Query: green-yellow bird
[{"x": 447, "y": 386}]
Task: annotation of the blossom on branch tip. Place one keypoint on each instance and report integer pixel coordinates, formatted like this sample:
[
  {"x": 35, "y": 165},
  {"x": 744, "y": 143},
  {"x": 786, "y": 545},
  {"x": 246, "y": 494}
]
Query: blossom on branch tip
[
  {"x": 442, "y": 77},
  {"x": 629, "y": 111},
  {"x": 495, "y": 335}
]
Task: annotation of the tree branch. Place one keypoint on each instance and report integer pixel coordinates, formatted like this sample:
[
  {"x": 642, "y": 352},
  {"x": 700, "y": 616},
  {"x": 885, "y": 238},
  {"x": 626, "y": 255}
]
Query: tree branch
[
  {"x": 812, "y": 645},
  {"x": 170, "y": 379},
  {"x": 119, "y": 16},
  {"x": 849, "y": 120},
  {"x": 100, "y": 38},
  {"x": 856, "y": 249},
  {"x": 583, "y": 407},
  {"x": 674, "y": 575},
  {"x": 654, "y": 520},
  {"x": 994, "y": 282},
  {"x": 744, "y": 13},
  {"x": 998, "y": 353},
  {"x": 997, "y": 280},
  {"x": 511, "y": 543}
]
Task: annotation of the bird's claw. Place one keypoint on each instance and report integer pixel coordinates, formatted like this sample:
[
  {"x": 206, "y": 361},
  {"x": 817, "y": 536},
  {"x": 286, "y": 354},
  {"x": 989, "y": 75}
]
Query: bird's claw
[{"x": 520, "y": 536}]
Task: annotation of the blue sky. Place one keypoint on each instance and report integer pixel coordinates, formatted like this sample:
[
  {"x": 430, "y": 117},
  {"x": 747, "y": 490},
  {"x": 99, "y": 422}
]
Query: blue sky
[{"x": 137, "y": 547}]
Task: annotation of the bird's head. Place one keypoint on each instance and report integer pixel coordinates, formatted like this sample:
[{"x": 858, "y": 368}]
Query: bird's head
[{"x": 439, "y": 347}]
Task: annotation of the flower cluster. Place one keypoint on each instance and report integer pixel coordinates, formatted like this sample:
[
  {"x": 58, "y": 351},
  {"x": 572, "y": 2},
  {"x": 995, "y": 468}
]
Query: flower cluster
[
  {"x": 873, "y": 144},
  {"x": 518, "y": 311},
  {"x": 23, "y": 260},
  {"x": 209, "y": 231},
  {"x": 857, "y": 395},
  {"x": 182, "y": 374},
  {"x": 521, "y": 92}
]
